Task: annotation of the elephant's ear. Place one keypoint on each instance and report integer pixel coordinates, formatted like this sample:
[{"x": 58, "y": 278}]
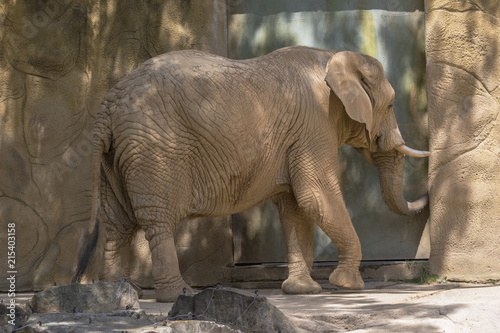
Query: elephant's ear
[{"x": 344, "y": 78}]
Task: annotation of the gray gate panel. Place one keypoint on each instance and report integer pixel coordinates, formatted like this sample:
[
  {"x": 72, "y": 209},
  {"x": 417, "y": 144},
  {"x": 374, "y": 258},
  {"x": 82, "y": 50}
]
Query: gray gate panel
[{"x": 391, "y": 31}]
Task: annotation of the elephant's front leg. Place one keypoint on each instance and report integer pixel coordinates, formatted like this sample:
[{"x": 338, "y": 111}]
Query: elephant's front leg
[
  {"x": 168, "y": 282},
  {"x": 323, "y": 202},
  {"x": 299, "y": 236},
  {"x": 337, "y": 224}
]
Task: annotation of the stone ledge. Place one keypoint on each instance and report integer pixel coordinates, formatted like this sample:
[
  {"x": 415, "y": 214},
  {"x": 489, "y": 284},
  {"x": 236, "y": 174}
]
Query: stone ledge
[{"x": 267, "y": 276}]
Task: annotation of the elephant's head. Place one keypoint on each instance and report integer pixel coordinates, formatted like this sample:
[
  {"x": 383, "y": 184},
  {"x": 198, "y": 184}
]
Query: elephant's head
[{"x": 360, "y": 84}]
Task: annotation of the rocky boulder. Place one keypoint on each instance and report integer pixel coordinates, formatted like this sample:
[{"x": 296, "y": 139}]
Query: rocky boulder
[
  {"x": 78, "y": 298},
  {"x": 239, "y": 310}
]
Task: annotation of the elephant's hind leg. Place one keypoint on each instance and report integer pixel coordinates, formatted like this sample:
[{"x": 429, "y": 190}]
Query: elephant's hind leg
[
  {"x": 158, "y": 202},
  {"x": 158, "y": 219},
  {"x": 299, "y": 234},
  {"x": 168, "y": 282},
  {"x": 120, "y": 229}
]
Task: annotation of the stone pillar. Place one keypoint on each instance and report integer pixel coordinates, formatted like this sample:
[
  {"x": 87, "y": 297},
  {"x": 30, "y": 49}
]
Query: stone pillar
[{"x": 463, "y": 80}]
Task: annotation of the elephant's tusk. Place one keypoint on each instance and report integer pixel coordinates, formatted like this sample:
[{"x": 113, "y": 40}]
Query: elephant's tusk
[{"x": 412, "y": 152}]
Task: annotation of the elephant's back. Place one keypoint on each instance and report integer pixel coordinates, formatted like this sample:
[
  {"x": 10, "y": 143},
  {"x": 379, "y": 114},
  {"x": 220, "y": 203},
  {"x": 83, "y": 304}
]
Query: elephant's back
[
  {"x": 186, "y": 63},
  {"x": 213, "y": 75},
  {"x": 197, "y": 64}
]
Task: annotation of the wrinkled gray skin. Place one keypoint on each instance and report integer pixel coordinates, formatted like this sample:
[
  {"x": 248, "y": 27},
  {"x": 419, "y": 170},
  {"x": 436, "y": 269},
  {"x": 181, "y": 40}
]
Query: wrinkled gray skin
[{"x": 190, "y": 134}]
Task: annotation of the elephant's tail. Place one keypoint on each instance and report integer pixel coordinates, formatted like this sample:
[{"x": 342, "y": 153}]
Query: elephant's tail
[
  {"x": 88, "y": 241},
  {"x": 86, "y": 252}
]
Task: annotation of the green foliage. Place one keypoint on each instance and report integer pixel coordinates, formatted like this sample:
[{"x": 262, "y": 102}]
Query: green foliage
[{"x": 426, "y": 277}]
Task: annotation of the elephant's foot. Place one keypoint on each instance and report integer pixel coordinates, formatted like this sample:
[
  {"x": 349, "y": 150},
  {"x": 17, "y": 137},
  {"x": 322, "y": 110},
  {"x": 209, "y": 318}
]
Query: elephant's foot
[
  {"x": 347, "y": 277},
  {"x": 171, "y": 292},
  {"x": 303, "y": 284}
]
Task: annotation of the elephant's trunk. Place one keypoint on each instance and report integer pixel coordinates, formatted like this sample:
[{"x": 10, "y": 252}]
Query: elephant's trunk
[{"x": 390, "y": 167}]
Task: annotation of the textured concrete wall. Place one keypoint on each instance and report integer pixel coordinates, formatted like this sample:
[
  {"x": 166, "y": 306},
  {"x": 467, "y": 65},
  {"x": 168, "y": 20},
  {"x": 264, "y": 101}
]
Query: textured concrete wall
[
  {"x": 463, "y": 78},
  {"x": 57, "y": 59}
]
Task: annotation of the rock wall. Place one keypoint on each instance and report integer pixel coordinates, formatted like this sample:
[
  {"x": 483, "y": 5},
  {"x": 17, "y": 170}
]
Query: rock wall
[
  {"x": 463, "y": 79},
  {"x": 57, "y": 59}
]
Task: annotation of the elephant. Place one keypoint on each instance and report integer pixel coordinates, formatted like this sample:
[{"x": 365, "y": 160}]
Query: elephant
[{"x": 190, "y": 134}]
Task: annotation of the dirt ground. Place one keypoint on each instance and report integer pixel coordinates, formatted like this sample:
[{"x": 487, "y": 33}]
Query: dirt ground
[
  {"x": 380, "y": 307},
  {"x": 385, "y": 307}
]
